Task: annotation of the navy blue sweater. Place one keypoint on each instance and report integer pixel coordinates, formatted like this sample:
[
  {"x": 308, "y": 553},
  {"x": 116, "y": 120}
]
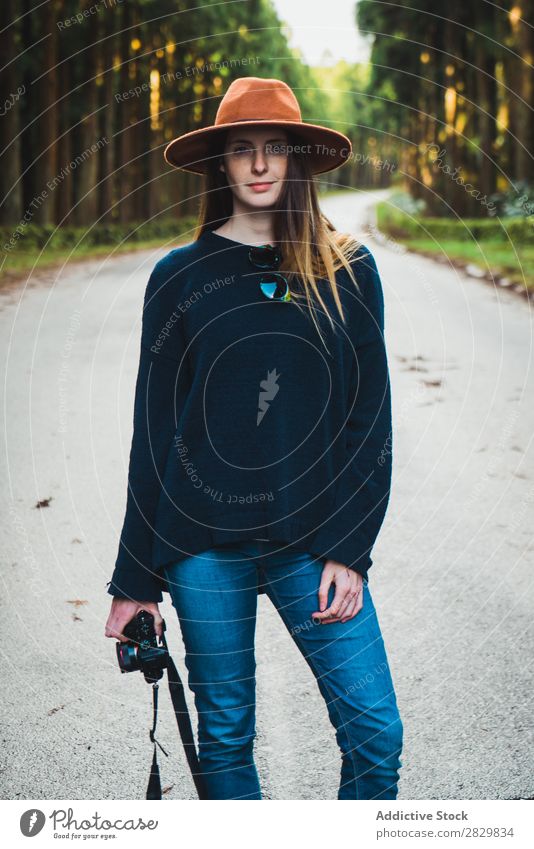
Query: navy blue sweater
[{"x": 245, "y": 425}]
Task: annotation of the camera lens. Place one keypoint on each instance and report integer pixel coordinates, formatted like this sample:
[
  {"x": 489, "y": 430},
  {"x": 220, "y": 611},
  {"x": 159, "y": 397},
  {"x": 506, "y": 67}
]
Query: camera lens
[{"x": 127, "y": 657}]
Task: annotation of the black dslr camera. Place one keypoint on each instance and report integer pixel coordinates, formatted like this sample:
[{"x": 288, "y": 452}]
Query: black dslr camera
[{"x": 142, "y": 650}]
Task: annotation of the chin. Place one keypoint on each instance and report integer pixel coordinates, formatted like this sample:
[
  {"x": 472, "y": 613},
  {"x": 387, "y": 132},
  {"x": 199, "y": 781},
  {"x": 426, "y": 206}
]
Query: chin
[{"x": 260, "y": 201}]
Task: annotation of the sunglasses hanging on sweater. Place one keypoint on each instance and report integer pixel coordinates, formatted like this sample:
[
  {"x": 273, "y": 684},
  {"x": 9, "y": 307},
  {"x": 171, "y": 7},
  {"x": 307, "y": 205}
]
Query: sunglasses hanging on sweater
[{"x": 273, "y": 284}]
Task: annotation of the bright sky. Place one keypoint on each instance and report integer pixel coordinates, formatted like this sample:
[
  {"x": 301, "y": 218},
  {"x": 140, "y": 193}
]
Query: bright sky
[{"x": 323, "y": 28}]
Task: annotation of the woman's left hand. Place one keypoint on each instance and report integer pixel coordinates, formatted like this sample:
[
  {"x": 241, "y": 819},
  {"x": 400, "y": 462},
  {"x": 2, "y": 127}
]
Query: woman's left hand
[{"x": 348, "y": 598}]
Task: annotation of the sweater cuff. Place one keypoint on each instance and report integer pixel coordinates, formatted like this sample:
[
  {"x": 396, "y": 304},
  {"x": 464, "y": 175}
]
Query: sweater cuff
[{"x": 142, "y": 586}]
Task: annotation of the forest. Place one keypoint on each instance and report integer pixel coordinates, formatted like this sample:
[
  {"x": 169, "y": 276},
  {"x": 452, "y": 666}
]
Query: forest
[{"x": 92, "y": 91}]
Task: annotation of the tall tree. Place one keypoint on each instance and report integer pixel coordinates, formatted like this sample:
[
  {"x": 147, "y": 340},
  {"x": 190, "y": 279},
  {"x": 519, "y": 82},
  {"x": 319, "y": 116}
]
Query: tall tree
[{"x": 11, "y": 90}]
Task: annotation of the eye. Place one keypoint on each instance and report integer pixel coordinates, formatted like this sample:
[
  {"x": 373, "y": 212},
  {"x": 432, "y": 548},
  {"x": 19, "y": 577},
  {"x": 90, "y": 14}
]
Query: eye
[
  {"x": 279, "y": 148},
  {"x": 241, "y": 148}
]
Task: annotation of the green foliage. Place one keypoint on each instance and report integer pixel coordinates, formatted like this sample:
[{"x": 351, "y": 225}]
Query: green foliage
[
  {"x": 503, "y": 249},
  {"x": 406, "y": 203},
  {"x": 459, "y": 80},
  {"x": 517, "y": 201},
  {"x": 403, "y": 224},
  {"x": 50, "y": 237},
  {"x": 137, "y": 73}
]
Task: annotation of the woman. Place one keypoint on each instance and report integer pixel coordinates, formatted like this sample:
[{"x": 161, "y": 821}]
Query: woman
[{"x": 260, "y": 459}]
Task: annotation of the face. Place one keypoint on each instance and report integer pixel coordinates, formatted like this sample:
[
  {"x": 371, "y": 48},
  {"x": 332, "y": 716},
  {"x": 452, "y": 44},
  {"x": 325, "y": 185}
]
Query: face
[{"x": 255, "y": 163}]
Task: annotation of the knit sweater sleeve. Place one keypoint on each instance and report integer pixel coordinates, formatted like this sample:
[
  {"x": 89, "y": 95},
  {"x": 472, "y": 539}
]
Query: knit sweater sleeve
[
  {"x": 161, "y": 389},
  {"x": 363, "y": 487}
]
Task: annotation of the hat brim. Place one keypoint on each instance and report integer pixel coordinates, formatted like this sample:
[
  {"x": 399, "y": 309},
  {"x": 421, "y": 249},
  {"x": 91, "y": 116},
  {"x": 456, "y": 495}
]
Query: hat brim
[{"x": 329, "y": 149}]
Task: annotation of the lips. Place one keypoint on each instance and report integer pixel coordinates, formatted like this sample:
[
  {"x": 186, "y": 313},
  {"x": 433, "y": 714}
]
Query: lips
[{"x": 260, "y": 187}]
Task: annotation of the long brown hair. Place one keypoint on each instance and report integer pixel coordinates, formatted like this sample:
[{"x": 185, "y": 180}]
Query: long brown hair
[{"x": 311, "y": 245}]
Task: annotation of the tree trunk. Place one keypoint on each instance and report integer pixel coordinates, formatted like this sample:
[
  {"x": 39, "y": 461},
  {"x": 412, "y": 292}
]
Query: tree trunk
[
  {"x": 124, "y": 110},
  {"x": 11, "y": 90},
  {"x": 106, "y": 56},
  {"x": 46, "y": 91},
  {"x": 86, "y": 173},
  {"x": 525, "y": 121}
]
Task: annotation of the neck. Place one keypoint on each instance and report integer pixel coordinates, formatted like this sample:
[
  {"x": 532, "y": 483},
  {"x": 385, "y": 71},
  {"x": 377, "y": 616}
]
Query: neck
[{"x": 254, "y": 228}]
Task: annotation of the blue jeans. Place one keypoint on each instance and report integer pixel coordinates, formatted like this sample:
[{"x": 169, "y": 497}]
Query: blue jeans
[{"x": 215, "y": 596}]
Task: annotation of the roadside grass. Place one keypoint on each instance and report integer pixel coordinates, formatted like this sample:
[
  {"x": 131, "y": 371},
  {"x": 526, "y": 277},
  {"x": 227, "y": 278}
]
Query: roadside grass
[
  {"x": 503, "y": 249},
  {"x": 22, "y": 262},
  {"x": 47, "y": 248}
]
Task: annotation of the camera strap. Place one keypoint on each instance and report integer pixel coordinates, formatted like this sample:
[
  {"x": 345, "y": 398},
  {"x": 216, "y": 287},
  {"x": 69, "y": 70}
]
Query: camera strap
[{"x": 181, "y": 712}]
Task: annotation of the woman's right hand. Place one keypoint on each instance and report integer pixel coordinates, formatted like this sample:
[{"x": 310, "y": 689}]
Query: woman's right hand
[{"x": 123, "y": 611}]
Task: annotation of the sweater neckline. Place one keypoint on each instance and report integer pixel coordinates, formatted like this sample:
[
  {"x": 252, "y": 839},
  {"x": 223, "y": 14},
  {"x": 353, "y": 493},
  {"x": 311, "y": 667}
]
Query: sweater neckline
[{"x": 218, "y": 236}]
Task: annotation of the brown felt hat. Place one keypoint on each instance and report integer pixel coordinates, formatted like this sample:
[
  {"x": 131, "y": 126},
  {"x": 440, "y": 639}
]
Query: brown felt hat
[{"x": 253, "y": 101}]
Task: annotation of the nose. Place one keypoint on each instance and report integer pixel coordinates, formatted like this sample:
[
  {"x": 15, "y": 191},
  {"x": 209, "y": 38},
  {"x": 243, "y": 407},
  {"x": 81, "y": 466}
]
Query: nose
[{"x": 259, "y": 165}]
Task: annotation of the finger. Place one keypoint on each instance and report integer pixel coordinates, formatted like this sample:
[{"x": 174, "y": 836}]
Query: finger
[
  {"x": 114, "y": 632},
  {"x": 348, "y": 601},
  {"x": 158, "y": 620},
  {"x": 332, "y": 619},
  {"x": 356, "y": 598},
  {"x": 324, "y": 586},
  {"x": 350, "y": 610},
  {"x": 108, "y": 629},
  {"x": 347, "y": 608},
  {"x": 323, "y": 615},
  {"x": 342, "y": 591},
  {"x": 354, "y": 608},
  {"x": 329, "y": 621}
]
